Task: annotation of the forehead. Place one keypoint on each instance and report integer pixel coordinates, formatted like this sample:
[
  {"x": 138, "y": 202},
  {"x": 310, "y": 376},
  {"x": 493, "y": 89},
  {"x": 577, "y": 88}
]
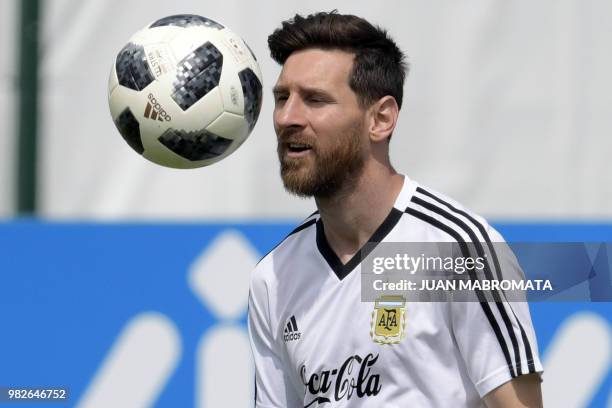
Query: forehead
[{"x": 318, "y": 68}]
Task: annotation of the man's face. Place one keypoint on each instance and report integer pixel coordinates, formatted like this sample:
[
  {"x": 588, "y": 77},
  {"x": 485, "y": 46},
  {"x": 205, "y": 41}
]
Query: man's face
[{"x": 319, "y": 123}]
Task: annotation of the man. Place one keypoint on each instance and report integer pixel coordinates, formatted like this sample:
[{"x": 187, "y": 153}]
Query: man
[{"x": 337, "y": 101}]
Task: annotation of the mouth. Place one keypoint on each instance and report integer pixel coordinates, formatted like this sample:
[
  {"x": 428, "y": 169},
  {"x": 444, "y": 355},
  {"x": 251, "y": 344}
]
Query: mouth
[{"x": 296, "y": 150}]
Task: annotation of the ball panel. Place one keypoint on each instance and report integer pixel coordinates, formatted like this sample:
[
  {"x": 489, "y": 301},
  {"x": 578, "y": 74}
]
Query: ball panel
[
  {"x": 197, "y": 74},
  {"x": 252, "y": 91},
  {"x": 186, "y": 20},
  {"x": 199, "y": 116},
  {"x": 129, "y": 128},
  {"x": 132, "y": 68},
  {"x": 186, "y": 40},
  {"x": 113, "y": 81},
  {"x": 194, "y": 146},
  {"x": 231, "y": 90},
  {"x": 250, "y": 50},
  {"x": 230, "y": 124}
]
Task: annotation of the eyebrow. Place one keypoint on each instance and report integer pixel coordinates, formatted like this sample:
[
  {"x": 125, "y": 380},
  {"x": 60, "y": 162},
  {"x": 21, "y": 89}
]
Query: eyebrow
[{"x": 280, "y": 89}]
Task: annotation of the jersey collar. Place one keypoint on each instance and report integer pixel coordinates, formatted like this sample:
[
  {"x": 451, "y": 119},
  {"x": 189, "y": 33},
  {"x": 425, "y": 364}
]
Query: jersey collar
[{"x": 342, "y": 270}]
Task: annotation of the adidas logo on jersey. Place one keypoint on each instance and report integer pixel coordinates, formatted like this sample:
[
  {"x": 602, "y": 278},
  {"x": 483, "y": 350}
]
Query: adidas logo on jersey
[
  {"x": 291, "y": 331},
  {"x": 154, "y": 110}
]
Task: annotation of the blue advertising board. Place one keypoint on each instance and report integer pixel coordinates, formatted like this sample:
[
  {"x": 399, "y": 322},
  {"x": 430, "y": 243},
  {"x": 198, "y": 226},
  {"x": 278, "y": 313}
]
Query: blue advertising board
[{"x": 69, "y": 291}]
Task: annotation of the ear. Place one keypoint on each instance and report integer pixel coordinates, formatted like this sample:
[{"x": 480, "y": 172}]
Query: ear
[{"x": 383, "y": 118}]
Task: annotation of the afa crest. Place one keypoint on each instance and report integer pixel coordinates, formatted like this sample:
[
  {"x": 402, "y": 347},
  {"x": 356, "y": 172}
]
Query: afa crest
[{"x": 389, "y": 320}]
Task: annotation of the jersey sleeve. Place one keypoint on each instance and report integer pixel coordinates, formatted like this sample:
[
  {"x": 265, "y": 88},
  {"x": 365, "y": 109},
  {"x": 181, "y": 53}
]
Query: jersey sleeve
[
  {"x": 496, "y": 339},
  {"x": 272, "y": 385}
]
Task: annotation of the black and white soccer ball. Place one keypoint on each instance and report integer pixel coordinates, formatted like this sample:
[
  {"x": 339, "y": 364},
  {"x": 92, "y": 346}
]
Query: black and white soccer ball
[{"x": 185, "y": 91}]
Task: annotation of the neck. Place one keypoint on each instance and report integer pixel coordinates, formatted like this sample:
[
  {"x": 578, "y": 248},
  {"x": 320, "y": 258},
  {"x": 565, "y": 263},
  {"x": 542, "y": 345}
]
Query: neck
[{"x": 351, "y": 217}]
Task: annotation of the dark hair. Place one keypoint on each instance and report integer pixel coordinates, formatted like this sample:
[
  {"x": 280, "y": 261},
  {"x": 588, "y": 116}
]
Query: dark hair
[{"x": 379, "y": 66}]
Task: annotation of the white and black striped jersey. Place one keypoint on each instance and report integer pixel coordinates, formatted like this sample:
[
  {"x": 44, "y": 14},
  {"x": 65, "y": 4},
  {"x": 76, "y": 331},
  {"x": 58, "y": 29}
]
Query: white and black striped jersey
[{"x": 313, "y": 339}]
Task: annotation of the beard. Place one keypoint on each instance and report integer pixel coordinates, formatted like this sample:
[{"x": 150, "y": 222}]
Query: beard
[{"x": 329, "y": 172}]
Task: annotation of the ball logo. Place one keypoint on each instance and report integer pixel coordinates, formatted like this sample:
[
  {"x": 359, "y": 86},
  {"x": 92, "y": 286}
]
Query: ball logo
[
  {"x": 234, "y": 95},
  {"x": 159, "y": 60},
  {"x": 154, "y": 110},
  {"x": 236, "y": 48}
]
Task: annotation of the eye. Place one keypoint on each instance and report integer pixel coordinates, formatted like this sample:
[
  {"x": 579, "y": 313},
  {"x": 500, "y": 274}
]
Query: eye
[
  {"x": 317, "y": 100},
  {"x": 280, "y": 97}
]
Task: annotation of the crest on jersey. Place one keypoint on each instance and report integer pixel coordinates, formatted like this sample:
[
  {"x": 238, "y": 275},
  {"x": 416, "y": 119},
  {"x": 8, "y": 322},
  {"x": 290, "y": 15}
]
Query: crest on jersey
[{"x": 389, "y": 320}]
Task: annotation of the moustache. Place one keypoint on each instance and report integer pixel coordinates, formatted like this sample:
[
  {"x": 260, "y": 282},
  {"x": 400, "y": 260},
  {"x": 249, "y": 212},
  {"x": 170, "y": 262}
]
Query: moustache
[{"x": 287, "y": 138}]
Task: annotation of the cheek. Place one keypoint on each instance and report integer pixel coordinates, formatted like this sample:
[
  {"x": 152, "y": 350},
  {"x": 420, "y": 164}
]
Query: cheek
[
  {"x": 329, "y": 121},
  {"x": 275, "y": 123},
  {"x": 337, "y": 126}
]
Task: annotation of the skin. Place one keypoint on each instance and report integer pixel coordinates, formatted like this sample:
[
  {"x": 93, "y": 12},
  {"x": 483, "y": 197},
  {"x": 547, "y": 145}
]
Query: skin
[
  {"x": 521, "y": 392},
  {"x": 315, "y": 105},
  {"x": 313, "y": 101}
]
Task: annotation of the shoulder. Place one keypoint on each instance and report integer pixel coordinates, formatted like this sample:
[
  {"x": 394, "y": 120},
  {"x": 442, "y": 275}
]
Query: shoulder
[
  {"x": 298, "y": 240},
  {"x": 442, "y": 213}
]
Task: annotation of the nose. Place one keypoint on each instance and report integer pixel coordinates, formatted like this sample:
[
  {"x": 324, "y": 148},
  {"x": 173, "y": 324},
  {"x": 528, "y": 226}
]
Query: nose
[{"x": 289, "y": 113}]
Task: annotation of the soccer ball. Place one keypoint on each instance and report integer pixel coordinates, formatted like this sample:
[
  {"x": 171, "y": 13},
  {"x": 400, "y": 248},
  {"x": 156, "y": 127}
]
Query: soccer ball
[{"x": 185, "y": 91}]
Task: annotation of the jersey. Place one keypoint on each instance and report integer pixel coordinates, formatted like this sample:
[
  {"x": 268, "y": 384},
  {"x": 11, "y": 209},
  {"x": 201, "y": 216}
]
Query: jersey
[{"x": 313, "y": 338}]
